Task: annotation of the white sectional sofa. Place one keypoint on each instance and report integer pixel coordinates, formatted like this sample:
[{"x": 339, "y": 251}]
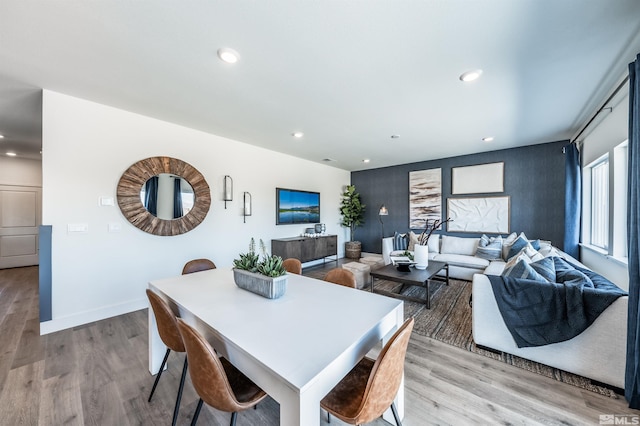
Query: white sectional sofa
[
  {"x": 458, "y": 252},
  {"x": 598, "y": 353}
]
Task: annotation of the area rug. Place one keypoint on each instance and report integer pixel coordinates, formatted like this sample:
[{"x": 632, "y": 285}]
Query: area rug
[{"x": 449, "y": 321}]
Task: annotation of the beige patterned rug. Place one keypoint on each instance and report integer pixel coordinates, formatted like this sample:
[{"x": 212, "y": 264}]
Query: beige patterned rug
[{"x": 449, "y": 321}]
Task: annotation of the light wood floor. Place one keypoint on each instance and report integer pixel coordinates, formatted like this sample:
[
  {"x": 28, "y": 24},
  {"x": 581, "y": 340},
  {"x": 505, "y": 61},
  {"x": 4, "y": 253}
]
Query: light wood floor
[{"x": 97, "y": 374}]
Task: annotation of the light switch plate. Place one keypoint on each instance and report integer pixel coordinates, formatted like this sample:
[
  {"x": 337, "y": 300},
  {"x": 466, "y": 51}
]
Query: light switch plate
[
  {"x": 106, "y": 201},
  {"x": 77, "y": 228},
  {"x": 115, "y": 227}
]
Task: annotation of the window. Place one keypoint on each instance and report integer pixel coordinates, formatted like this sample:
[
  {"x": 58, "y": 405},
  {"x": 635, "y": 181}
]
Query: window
[
  {"x": 605, "y": 203},
  {"x": 599, "y": 235}
]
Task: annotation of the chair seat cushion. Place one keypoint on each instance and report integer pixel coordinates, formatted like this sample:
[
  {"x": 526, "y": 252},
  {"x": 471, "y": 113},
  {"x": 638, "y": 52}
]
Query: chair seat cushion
[
  {"x": 346, "y": 397},
  {"x": 245, "y": 391}
]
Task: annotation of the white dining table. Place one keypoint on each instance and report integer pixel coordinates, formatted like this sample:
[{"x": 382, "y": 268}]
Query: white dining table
[{"x": 296, "y": 347}]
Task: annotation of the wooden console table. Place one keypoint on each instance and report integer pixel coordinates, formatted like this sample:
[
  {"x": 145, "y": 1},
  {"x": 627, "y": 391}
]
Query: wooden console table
[{"x": 306, "y": 249}]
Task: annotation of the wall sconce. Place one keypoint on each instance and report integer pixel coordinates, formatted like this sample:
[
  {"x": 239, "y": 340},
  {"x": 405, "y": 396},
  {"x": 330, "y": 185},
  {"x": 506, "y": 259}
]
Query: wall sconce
[
  {"x": 228, "y": 190},
  {"x": 247, "y": 205},
  {"x": 383, "y": 212}
]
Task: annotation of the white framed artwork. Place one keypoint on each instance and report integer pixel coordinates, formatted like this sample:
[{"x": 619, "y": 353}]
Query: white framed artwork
[
  {"x": 425, "y": 197},
  {"x": 479, "y": 214},
  {"x": 481, "y": 178}
]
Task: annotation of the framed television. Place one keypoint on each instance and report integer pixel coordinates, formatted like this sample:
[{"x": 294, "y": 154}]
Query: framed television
[{"x": 295, "y": 206}]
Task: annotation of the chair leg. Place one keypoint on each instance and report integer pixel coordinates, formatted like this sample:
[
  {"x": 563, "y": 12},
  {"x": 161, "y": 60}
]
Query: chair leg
[
  {"x": 164, "y": 361},
  {"x": 177, "y": 407},
  {"x": 395, "y": 414},
  {"x": 197, "y": 413},
  {"x": 234, "y": 415}
]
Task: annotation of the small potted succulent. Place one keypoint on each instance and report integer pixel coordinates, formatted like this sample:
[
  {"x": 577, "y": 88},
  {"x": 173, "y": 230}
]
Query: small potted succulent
[{"x": 264, "y": 275}]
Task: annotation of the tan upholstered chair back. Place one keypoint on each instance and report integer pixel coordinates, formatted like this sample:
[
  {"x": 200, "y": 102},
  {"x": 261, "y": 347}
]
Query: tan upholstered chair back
[
  {"x": 386, "y": 375},
  {"x": 167, "y": 322},
  {"x": 293, "y": 265},
  {"x": 209, "y": 376},
  {"x": 197, "y": 265},
  {"x": 341, "y": 276}
]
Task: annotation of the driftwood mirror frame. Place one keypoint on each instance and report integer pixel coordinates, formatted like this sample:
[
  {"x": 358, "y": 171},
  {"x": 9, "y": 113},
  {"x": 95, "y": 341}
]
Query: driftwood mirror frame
[{"x": 134, "y": 178}]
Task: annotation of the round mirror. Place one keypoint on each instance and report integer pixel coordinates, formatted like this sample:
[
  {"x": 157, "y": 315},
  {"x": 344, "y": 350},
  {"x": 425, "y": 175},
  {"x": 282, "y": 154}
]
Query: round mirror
[
  {"x": 167, "y": 196},
  {"x": 163, "y": 196}
]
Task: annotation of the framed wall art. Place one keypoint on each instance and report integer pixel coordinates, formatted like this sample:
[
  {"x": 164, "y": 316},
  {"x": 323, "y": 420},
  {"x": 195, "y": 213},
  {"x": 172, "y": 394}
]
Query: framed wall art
[
  {"x": 425, "y": 197},
  {"x": 479, "y": 214},
  {"x": 481, "y": 178}
]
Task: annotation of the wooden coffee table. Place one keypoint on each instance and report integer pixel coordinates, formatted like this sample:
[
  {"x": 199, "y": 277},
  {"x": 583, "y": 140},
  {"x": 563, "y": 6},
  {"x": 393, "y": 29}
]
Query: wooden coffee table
[{"x": 415, "y": 277}]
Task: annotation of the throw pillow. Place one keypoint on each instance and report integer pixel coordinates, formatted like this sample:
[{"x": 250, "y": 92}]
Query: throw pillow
[
  {"x": 413, "y": 240},
  {"x": 506, "y": 244},
  {"x": 514, "y": 259},
  {"x": 522, "y": 269},
  {"x": 545, "y": 267},
  {"x": 520, "y": 243},
  {"x": 535, "y": 244},
  {"x": 533, "y": 255},
  {"x": 400, "y": 241},
  {"x": 458, "y": 245},
  {"x": 490, "y": 248}
]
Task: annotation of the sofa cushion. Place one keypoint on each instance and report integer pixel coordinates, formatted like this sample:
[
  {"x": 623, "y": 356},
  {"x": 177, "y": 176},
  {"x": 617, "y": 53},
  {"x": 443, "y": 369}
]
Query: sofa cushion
[
  {"x": 495, "y": 267},
  {"x": 458, "y": 245},
  {"x": 490, "y": 248},
  {"x": 462, "y": 260},
  {"x": 434, "y": 243}
]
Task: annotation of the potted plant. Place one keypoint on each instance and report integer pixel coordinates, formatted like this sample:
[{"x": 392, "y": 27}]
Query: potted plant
[
  {"x": 352, "y": 211},
  {"x": 265, "y": 276}
]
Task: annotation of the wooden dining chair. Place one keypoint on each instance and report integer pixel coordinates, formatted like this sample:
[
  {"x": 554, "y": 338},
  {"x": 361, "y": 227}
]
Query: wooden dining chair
[
  {"x": 216, "y": 381},
  {"x": 369, "y": 389},
  {"x": 197, "y": 265},
  {"x": 341, "y": 276},
  {"x": 170, "y": 335},
  {"x": 293, "y": 265}
]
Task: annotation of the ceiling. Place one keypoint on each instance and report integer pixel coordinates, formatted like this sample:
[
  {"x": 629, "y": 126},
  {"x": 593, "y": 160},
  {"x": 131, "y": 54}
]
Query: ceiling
[{"x": 349, "y": 74}]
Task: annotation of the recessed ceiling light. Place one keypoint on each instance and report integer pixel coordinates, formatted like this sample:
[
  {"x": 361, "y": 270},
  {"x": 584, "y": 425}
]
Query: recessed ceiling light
[
  {"x": 487, "y": 139},
  {"x": 297, "y": 134},
  {"x": 366, "y": 160},
  {"x": 11, "y": 154},
  {"x": 470, "y": 75},
  {"x": 227, "y": 55}
]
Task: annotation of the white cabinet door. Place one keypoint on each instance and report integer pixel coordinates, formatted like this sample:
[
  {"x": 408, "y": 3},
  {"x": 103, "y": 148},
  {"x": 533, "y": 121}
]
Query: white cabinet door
[{"x": 20, "y": 216}]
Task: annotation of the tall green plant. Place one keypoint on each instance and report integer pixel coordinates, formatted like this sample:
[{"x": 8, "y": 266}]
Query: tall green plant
[{"x": 352, "y": 210}]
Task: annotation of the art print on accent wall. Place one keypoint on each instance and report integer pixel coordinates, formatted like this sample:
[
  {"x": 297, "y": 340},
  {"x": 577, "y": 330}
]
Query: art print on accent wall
[
  {"x": 425, "y": 197},
  {"x": 478, "y": 214}
]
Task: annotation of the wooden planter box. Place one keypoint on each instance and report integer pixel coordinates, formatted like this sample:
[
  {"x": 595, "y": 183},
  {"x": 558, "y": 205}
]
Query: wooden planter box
[{"x": 269, "y": 287}]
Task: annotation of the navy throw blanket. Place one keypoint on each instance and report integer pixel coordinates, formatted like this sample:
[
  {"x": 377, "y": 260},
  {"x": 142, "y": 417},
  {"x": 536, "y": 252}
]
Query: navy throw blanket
[{"x": 539, "y": 313}]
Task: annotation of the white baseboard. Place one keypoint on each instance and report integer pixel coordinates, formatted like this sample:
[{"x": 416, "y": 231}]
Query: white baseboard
[{"x": 86, "y": 317}]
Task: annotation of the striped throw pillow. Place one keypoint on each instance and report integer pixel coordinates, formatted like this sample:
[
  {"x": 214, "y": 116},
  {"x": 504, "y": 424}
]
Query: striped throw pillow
[
  {"x": 490, "y": 248},
  {"x": 523, "y": 270}
]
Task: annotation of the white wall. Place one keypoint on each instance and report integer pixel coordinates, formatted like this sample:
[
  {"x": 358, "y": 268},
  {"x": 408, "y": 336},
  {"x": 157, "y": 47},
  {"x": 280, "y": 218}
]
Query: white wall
[
  {"x": 87, "y": 147},
  {"x": 20, "y": 171},
  {"x": 610, "y": 131}
]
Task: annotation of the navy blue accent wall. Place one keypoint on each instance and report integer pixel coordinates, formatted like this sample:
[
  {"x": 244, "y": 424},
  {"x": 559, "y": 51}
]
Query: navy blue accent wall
[
  {"x": 534, "y": 179},
  {"x": 44, "y": 259}
]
